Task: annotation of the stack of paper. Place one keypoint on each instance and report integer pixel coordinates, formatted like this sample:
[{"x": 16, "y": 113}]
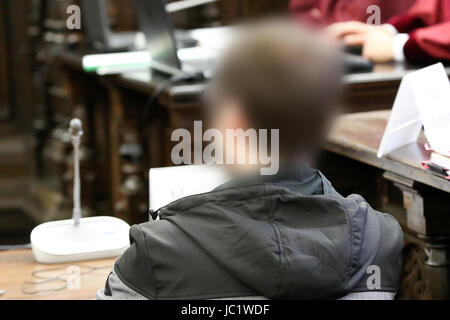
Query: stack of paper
[
  {"x": 438, "y": 164},
  {"x": 441, "y": 160}
]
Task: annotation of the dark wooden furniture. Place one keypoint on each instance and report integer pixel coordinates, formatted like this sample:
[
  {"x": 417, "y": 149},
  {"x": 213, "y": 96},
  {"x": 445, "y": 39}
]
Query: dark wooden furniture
[
  {"x": 15, "y": 68},
  {"x": 352, "y": 147}
]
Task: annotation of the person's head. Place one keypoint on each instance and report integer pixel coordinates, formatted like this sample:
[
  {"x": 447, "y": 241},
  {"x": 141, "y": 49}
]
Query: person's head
[{"x": 278, "y": 75}]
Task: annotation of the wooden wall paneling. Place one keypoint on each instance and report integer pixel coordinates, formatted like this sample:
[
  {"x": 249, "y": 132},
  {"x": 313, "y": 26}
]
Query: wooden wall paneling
[
  {"x": 18, "y": 57},
  {"x": 119, "y": 199},
  {"x": 122, "y": 13},
  {"x": 5, "y": 102}
]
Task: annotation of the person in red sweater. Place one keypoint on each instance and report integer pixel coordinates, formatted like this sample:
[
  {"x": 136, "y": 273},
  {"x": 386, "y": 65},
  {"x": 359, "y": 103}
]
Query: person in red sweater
[
  {"x": 421, "y": 35},
  {"x": 325, "y": 12}
]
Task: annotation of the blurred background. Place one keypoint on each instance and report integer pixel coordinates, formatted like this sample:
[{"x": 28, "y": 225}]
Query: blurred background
[{"x": 41, "y": 89}]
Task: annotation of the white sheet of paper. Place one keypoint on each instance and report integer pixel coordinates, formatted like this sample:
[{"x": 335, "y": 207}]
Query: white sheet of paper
[
  {"x": 173, "y": 183},
  {"x": 423, "y": 98},
  {"x": 432, "y": 94}
]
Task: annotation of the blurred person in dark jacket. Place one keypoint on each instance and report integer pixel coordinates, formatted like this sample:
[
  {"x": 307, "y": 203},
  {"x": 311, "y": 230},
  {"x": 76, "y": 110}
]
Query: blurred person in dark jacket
[{"x": 284, "y": 236}]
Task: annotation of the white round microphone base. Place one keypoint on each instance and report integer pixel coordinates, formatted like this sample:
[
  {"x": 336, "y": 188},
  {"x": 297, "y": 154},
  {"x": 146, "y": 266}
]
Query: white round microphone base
[{"x": 94, "y": 238}]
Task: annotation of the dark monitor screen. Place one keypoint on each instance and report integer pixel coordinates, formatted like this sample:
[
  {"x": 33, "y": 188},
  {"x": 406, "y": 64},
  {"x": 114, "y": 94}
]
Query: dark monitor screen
[
  {"x": 95, "y": 21},
  {"x": 155, "y": 23}
]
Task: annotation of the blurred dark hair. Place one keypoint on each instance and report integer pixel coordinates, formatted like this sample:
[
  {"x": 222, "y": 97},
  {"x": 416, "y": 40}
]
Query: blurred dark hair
[{"x": 286, "y": 77}]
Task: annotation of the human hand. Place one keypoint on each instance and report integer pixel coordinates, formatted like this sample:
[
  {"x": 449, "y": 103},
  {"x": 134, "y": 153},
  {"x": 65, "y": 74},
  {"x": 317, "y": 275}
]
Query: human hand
[
  {"x": 379, "y": 46},
  {"x": 353, "y": 33}
]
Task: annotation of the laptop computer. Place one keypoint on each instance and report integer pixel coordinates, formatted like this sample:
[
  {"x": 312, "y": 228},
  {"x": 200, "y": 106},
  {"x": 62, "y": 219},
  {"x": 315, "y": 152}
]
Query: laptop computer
[
  {"x": 163, "y": 42},
  {"x": 354, "y": 63},
  {"x": 353, "y": 60},
  {"x": 98, "y": 32},
  {"x": 172, "y": 183}
]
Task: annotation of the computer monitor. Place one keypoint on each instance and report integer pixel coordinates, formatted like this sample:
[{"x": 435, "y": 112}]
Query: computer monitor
[
  {"x": 156, "y": 24},
  {"x": 96, "y": 25},
  {"x": 95, "y": 21}
]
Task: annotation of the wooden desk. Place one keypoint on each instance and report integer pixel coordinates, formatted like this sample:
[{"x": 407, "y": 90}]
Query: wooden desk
[
  {"x": 426, "y": 197},
  {"x": 358, "y": 136},
  {"x": 16, "y": 267}
]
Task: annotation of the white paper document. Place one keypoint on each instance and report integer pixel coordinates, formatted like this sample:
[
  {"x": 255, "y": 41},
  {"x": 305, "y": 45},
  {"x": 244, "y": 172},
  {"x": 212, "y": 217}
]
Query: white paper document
[
  {"x": 173, "y": 183},
  {"x": 423, "y": 99}
]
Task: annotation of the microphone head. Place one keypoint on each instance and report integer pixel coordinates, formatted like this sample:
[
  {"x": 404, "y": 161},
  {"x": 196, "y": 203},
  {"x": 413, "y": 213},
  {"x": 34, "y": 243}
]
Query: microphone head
[{"x": 76, "y": 127}]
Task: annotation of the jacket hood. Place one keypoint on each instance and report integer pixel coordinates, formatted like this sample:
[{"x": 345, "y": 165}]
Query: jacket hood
[{"x": 290, "y": 236}]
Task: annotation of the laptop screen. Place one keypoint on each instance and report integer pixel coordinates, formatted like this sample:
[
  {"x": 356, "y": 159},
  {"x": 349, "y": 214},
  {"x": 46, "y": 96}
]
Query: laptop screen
[
  {"x": 96, "y": 21},
  {"x": 157, "y": 27}
]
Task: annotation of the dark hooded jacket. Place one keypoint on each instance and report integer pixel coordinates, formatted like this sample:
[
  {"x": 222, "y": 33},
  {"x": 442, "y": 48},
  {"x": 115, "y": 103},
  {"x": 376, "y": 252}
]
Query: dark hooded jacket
[{"x": 291, "y": 236}]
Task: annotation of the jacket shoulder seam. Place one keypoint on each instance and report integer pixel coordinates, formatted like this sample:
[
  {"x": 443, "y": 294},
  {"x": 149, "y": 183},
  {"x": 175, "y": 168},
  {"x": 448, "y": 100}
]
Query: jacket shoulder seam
[
  {"x": 149, "y": 262},
  {"x": 131, "y": 285},
  {"x": 277, "y": 234}
]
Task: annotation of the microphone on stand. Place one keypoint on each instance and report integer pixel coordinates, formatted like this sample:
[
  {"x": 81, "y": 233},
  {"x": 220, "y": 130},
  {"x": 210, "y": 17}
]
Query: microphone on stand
[
  {"x": 76, "y": 132},
  {"x": 79, "y": 239}
]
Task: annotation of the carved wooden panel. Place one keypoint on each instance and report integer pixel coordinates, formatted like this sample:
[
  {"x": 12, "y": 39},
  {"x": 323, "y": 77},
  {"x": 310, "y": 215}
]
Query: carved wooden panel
[{"x": 413, "y": 282}]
